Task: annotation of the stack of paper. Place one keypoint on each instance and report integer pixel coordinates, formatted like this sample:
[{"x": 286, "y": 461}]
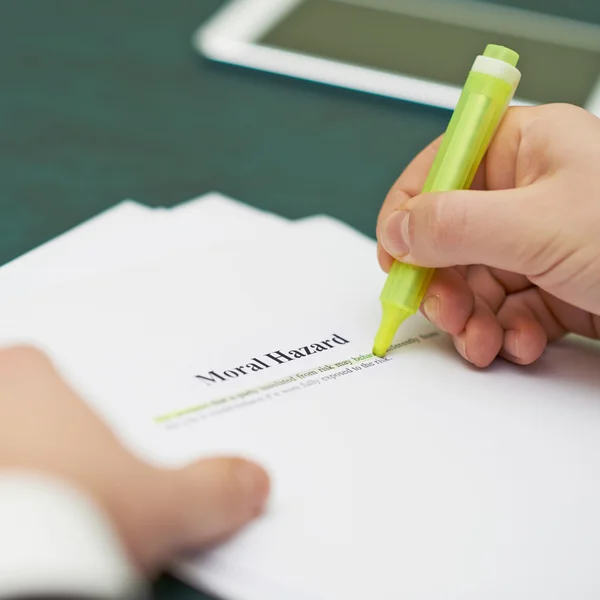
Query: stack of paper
[{"x": 216, "y": 328}]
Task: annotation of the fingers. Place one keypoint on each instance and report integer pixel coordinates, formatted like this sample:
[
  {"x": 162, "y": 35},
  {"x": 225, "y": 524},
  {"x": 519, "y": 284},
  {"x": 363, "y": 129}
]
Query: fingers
[
  {"x": 453, "y": 306},
  {"x": 508, "y": 226},
  {"x": 490, "y": 314},
  {"x": 449, "y": 301},
  {"x": 222, "y": 495},
  {"x": 513, "y": 334},
  {"x": 564, "y": 317},
  {"x": 498, "y": 170},
  {"x": 525, "y": 338},
  {"x": 482, "y": 338},
  {"x": 510, "y": 230},
  {"x": 206, "y": 502},
  {"x": 409, "y": 184},
  {"x": 411, "y": 181},
  {"x": 442, "y": 230}
]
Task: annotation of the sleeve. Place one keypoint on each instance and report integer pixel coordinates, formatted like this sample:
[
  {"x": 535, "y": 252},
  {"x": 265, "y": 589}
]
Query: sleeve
[{"x": 56, "y": 543}]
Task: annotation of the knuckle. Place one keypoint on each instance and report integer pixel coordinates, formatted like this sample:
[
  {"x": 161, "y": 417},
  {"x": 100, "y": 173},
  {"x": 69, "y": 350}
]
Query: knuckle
[
  {"x": 554, "y": 119},
  {"x": 549, "y": 112},
  {"x": 567, "y": 109}
]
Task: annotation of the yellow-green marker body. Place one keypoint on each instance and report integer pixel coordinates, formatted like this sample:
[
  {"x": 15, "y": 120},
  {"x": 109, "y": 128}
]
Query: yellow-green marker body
[{"x": 487, "y": 93}]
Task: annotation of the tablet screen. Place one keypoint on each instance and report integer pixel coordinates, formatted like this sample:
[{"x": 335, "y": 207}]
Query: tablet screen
[{"x": 356, "y": 33}]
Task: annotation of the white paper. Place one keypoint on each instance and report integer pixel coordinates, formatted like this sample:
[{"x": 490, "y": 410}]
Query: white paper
[
  {"x": 414, "y": 477},
  {"x": 131, "y": 234},
  {"x": 82, "y": 249}
]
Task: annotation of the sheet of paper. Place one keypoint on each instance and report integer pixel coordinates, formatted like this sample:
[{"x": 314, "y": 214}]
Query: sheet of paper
[
  {"x": 414, "y": 476},
  {"x": 223, "y": 205},
  {"x": 106, "y": 232},
  {"x": 131, "y": 234}
]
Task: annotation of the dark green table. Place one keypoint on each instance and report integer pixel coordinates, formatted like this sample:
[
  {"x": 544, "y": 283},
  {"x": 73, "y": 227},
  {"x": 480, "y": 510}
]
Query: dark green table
[{"x": 104, "y": 99}]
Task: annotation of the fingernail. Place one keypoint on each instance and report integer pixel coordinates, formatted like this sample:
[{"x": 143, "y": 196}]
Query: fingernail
[
  {"x": 460, "y": 344},
  {"x": 254, "y": 483},
  {"x": 511, "y": 345},
  {"x": 431, "y": 308},
  {"x": 509, "y": 357},
  {"x": 394, "y": 236}
]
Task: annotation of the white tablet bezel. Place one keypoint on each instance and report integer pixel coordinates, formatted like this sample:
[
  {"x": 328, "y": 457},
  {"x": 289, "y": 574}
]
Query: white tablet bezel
[{"x": 230, "y": 37}]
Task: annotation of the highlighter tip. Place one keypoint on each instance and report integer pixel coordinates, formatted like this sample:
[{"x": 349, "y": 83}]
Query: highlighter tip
[
  {"x": 379, "y": 350},
  {"x": 393, "y": 317},
  {"x": 383, "y": 341}
]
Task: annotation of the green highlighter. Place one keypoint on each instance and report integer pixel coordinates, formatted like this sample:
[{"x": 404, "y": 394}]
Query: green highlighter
[{"x": 487, "y": 93}]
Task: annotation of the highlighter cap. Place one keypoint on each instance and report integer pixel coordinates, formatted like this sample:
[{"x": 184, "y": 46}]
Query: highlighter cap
[{"x": 502, "y": 53}]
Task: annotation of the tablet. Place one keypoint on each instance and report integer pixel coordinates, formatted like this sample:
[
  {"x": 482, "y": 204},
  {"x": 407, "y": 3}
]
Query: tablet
[{"x": 419, "y": 51}]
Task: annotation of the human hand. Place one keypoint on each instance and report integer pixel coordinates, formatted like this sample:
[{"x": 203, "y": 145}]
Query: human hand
[
  {"x": 519, "y": 253},
  {"x": 45, "y": 427}
]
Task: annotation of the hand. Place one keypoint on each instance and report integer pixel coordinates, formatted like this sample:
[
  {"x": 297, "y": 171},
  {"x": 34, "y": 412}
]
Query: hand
[
  {"x": 45, "y": 427},
  {"x": 519, "y": 253}
]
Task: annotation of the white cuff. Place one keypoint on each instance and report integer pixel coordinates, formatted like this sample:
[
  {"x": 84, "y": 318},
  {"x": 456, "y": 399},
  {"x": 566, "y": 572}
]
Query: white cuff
[{"x": 55, "y": 540}]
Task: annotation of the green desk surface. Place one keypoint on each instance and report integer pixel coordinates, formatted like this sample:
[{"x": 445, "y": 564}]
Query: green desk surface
[{"x": 102, "y": 100}]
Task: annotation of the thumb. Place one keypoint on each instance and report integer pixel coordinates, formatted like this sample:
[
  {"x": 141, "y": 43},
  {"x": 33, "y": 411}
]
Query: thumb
[
  {"x": 506, "y": 229},
  {"x": 200, "y": 505}
]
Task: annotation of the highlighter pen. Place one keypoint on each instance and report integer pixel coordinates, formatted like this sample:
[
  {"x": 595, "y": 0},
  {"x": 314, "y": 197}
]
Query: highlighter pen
[{"x": 487, "y": 93}]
